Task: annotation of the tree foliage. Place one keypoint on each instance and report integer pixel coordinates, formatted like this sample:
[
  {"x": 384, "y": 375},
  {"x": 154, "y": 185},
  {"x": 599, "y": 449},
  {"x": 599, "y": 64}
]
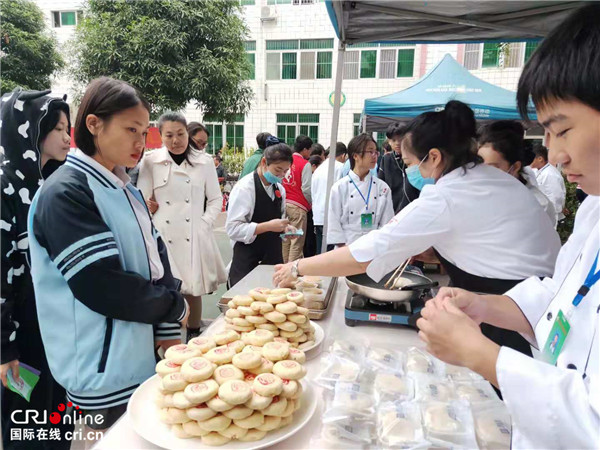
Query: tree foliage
[
  {"x": 173, "y": 51},
  {"x": 28, "y": 52}
]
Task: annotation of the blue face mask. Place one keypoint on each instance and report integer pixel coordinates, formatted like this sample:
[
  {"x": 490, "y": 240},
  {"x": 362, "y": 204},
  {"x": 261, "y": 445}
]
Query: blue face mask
[
  {"x": 415, "y": 178},
  {"x": 271, "y": 178}
]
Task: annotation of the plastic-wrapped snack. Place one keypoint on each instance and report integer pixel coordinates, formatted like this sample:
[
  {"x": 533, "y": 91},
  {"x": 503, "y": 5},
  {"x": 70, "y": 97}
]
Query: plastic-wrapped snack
[
  {"x": 353, "y": 350},
  {"x": 399, "y": 425},
  {"x": 337, "y": 370},
  {"x": 429, "y": 388},
  {"x": 476, "y": 392},
  {"x": 348, "y": 434},
  {"x": 419, "y": 361},
  {"x": 394, "y": 385},
  {"x": 449, "y": 423},
  {"x": 493, "y": 426},
  {"x": 351, "y": 400},
  {"x": 385, "y": 358},
  {"x": 457, "y": 373}
]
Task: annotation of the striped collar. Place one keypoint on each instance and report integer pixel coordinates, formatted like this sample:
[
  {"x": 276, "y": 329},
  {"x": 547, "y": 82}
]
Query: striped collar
[{"x": 112, "y": 180}]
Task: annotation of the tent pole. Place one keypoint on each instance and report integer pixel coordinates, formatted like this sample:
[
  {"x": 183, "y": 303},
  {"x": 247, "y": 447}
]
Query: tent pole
[{"x": 335, "y": 120}]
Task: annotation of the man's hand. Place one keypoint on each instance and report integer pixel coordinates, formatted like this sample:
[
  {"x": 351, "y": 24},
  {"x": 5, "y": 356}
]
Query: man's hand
[
  {"x": 152, "y": 204},
  {"x": 12, "y": 366}
]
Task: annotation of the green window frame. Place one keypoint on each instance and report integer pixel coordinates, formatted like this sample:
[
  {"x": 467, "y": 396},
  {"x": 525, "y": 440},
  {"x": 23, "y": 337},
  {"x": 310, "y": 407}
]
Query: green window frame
[
  {"x": 289, "y": 66},
  {"x": 406, "y": 63},
  {"x": 316, "y": 44},
  {"x": 234, "y": 135},
  {"x": 251, "y": 57},
  {"x": 324, "y": 65},
  {"x": 355, "y": 124},
  {"x": 368, "y": 63},
  {"x": 215, "y": 138},
  {"x": 286, "y": 44},
  {"x": 247, "y": 2},
  {"x": 530, "y": 47},
  {"x": 491, "y": 55},
  {"x": 381, "y": 137},
  {"x": 306, "y": 124},
  {"x": 68, "y": 18}
]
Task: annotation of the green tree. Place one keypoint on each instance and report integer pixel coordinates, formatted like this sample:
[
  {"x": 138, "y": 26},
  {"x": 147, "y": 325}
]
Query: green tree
[
  {"x": 173, "y": 51},
  {"x": 28, "y": 52}
]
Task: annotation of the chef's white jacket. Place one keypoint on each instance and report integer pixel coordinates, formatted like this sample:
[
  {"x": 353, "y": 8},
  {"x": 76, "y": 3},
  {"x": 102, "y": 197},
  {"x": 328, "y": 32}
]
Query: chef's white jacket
[
  {"x": 479, "y": 219},
  {"x": 529, "y": 177},
  {"x": 558, "y": 406},
  {"x": 318, "y": 187},
  {"x": 239, "y": 225},
  {"x": 551, "y": 183},
  {"x": 346, "y": 206}
]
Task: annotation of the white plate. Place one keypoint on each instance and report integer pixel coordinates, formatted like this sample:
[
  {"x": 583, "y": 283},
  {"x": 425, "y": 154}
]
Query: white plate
[
  {"x": 219, "y": 325},
  {"x": 143, "y": 413}
]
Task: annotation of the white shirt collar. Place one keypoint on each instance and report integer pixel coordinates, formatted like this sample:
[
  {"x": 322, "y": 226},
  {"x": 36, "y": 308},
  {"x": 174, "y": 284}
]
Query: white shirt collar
[
  {"x": 118, "y": 176},
  {"x": 355, "y": 178}
]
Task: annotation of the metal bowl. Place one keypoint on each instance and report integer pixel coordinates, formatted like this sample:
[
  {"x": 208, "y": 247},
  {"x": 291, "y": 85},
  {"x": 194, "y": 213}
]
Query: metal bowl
[{"x": 363, "y": 285}]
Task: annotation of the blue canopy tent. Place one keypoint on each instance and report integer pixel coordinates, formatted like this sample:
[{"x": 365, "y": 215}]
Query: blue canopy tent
[
  {"x": 448, "y": 80},
  {"x": 441, "y": 21}
]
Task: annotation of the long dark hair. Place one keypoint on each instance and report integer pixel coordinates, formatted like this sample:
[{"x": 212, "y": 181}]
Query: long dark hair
[
  {"x": 451, "y": 131},
  {"x": 357, "y": 146},
  {"x": 506, "y": 137},
  {"x": 192, "y": 129},
  {"x": 179, "y": 118},
  {"x": 104, "y": 97}
]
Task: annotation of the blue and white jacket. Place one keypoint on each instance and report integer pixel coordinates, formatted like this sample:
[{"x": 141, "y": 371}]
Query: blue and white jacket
[{"x": 97, "y": 306}]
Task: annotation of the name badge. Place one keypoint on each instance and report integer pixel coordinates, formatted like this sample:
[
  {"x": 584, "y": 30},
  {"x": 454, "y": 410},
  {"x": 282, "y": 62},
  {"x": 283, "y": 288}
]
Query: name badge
[
  {"x": 366, "y": 221},
  {"x": 556, "y": 338}
]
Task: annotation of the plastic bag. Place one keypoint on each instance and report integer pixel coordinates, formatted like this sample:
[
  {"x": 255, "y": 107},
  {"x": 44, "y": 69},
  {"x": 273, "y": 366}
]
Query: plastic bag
[
  {"x": 390, "y": 385},
  {"x": 385, "y": 358},
  {"x": 449, "y": 423},
  {"x": 493, "y": 426},
  {"x": 430, "y": 388},
  {"x": 418, "y": 361},
  {"x": 399, "y": 425},
  {"x": 457, "y": 373},
  {"x": 351, "y": 400},
  {"x": 476, "y": 392},
  {"x": 347, "y": 433},
  {"x": 337, "y": 369},
  {"x": 355, "y": 350}
]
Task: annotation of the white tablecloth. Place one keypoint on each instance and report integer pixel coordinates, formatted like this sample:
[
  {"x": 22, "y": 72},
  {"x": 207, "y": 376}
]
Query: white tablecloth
[{"x": 122, "y": 435}]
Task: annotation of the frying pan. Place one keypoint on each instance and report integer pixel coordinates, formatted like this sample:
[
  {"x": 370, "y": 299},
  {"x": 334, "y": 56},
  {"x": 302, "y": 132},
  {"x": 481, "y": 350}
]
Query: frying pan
[{"x": 363, "y": 285}]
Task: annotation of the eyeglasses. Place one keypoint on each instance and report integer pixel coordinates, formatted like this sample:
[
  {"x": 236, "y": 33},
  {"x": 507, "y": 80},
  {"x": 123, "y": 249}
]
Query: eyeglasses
[
  {"x": 372, "y": 153},
  {"x": 200, "y": 144}
]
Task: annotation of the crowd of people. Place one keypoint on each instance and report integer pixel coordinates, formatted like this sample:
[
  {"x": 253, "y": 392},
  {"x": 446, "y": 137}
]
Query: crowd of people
[{"x": 108, "y": 250}]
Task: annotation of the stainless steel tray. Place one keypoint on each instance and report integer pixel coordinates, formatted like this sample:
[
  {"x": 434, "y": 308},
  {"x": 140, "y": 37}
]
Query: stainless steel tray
[{"x": 262, "y": 276}]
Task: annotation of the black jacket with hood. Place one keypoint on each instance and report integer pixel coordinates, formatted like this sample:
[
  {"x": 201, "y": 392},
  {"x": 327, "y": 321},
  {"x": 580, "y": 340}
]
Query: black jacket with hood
[{"x": 21, "y": 176}]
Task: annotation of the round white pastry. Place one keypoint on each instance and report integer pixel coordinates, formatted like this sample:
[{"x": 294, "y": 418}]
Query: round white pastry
[
  {"x": 238, "y": 412},
  {"x": 200, "y": 413},
  {"x": 181, "y": 353},
  {"x": 218, "y": 404},
  {"x": 236, "y": 346},
  {"x": 266, "y": 366},
  {"x": 302, "y": 310},
  {"x": 253, "y": 435},
  {"x": 290, "y": 388},
  {"x": 296, "y": 297},
  {"x": 216, "y": 423},
  {"x": 291, "y": 334},
  {"x": 247, "y": 360},
  {"x": 166, "y": 366},
  {"x": 231, "y": 326},
  {"x": 215, "y": 439},
  {"x": 192, "y": 428},
  {"x": 235, "y": 392},
  {"x": 259, "y": 337},
  {"x": 197, "y": 369},
  {"x": 174, "y": 382},
  {"x": 176, "y": 415},
  {"x": 297, "y": 318},
  {"x": 256, "y": 320},
  {"x": 275, "y": 317},
  {"x": 242, "y": 300},
  {"x": 233, "y": 432},
  {"x": 276, "y": 299},
  {"x": 181, "y": 401},
  {"x": 179, "y": 432},
  {"x": 298, "y": 393},
  {"x": 227, "y": 372},
  {"x": 231, "y": 304},
  {"x": 260, "y": 294},
  {"x": 306, "y": 345},
  {"x": 276, "y": 351},
  {"x": 271, "y": 423},
  {"x": 202, "y": 344},
  {"x": 220, "y": 355},
  {"x": 267, "y": 385},
  {"x": 289, "y": 369},
  {"x": 241, "y": 322},
  {"x": 253, "y": 348},
  {"x": 201, "y": 392},
  {"x": 247, "y": 311},
  {"x": 225, "y": 337},
  {"x": 262, "y": 307},
  {"x": 300, "y": 339},
  {"x": 286, "y": 307},
  {"x": 267, "y": 326},
  {"x": 232, "y": 313},
  {"x": 258, "y": 402},
  {"x": 281, "y": 291},
  {"x": 255, "y": 420},
  {"x": 287, "y": 326},
  {"x": 289, "y": 409},
  {"x": 285, "y": 421},
  {"x": 277, "y": 407}
]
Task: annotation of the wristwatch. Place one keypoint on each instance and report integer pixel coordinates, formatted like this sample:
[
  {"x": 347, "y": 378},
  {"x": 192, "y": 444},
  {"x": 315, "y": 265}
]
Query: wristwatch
[{"x": 295, "y": 272}]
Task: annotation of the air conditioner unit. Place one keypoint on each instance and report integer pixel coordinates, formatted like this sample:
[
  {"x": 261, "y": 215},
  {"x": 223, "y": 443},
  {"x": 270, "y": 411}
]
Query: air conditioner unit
[{"x": 268, "y": 14}]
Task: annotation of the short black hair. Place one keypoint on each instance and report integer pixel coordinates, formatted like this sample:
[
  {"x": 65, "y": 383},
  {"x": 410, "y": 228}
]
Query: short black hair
[
  {"x": 396, "y": 129},
  {"x": 218, "y": 158},
  {"x": 340, "y": 149},
  {"x": 104, "y": 97},
  {"x": 507, "y": 137},
  {"x": 302, "y": 142},
  {"x": 52, "y": 117},
  {"x": 278, "y": 153},
  {"x": 566, "y": 65},
  {"x": 317, "y": 149},
  {"x": 315, "y": 160},
  {"x": 357, "y": 146},
  {"x": 178, "y": 117},
  {"x": 261, "y": 139},
  {"x": 451, "y": 131},
  {"x": 194, "y": 128},
  {"x": 386, "y": 146},
  {"x": 540, "y": 150}
]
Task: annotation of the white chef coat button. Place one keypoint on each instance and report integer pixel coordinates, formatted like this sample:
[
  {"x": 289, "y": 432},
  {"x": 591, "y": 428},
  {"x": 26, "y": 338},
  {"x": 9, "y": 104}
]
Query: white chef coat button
[
  {"x": 169, "y": 241},
  {"x": 187, "y": 181},
  {"x": 166, "y": 163},
  {"x": 571, "y": 366},
  {"x": 187, "y": 219},
  {"x": 165, "y": 180},
  {"x": 352, "y": 196},
  {"x": 167, "y": 221},
  {"x": 187, "y": 239},
  {"x": 549, "y": 316},
  {"x": 168, "y": 202},
  {"x": 187, "y": 200},
  {"x": 351, "y": 212},
  {"x": 375, "y": 198}
]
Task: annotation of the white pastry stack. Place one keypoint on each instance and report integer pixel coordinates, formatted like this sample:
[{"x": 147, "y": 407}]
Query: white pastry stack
[
  {"x": 279, "y": 311},
  {"x": 223, "y": 388}
]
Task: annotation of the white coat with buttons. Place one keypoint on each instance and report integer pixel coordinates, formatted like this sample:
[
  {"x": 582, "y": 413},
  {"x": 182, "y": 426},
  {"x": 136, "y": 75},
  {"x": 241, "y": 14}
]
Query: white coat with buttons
[
  {"x": 346, "y": 205},
  {"x": 558, "y": 406},
  {"x": 185, "y": 226}
]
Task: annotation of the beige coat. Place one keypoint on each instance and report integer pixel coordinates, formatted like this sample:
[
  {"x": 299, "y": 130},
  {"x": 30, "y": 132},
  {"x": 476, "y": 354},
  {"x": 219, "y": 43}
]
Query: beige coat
[{"x": 184, "y": 225}]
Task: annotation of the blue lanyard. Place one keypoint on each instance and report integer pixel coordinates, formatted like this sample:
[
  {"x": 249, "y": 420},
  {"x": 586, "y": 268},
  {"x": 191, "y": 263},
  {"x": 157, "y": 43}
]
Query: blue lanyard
[
  {"x": 590, "y": 280},
  {"x": 366, "y": 200}
]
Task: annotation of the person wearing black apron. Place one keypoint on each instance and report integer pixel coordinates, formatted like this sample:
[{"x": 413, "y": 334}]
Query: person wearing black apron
[
  {"x": 487, "y": 229},
  {"x": 255, "y": 216}
]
